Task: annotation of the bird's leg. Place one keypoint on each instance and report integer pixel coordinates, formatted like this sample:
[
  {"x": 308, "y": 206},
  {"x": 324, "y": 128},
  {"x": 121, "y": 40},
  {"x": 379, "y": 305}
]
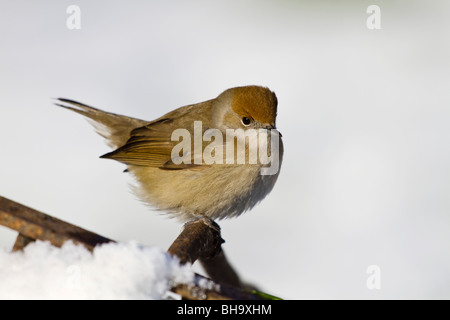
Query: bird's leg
[{"x": 207, "y": 221}]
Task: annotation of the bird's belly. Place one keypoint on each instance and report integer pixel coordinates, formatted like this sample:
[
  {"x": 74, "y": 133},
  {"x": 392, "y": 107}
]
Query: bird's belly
[{"x": 218, "y": 192}]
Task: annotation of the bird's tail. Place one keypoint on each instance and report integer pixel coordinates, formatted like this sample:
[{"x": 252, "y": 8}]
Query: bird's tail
[{"x": 113, "y": 127}]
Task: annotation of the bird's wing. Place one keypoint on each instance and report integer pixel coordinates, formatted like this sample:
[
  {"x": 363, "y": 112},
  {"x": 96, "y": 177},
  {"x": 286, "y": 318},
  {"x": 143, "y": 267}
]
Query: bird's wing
[{"x": 151, "y": 145}]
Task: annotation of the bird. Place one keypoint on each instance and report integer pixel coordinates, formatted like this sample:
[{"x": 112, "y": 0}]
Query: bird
[{"x": 195, "y": 187}]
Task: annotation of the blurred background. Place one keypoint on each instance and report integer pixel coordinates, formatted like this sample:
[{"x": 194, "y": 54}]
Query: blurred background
[{"x": 364, "y": 113}]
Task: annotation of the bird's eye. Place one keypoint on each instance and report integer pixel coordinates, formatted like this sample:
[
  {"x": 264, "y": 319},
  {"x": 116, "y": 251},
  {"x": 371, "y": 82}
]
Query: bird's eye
[{"x": 246, "y": 121}]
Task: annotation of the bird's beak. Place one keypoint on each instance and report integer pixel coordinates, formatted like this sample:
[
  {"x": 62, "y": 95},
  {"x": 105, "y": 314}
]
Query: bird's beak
[{"x": 273, "y": 127}]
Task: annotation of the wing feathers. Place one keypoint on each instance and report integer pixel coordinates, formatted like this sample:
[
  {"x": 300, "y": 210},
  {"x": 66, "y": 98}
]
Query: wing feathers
[{"x": 138, "y": 142}]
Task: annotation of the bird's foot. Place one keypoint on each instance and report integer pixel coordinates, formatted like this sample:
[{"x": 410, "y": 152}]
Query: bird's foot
[{"x": 207, "y": 221}]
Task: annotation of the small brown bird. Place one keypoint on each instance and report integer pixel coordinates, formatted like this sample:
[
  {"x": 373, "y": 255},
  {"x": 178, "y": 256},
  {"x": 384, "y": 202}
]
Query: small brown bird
[{"x": 200, "y": 175}]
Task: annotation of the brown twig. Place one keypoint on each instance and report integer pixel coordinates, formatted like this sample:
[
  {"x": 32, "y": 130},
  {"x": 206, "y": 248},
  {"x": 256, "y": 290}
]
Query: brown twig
[
  {"x": 219, "y": 269},
  {"x": 35, "y": 225},
  {"x": 201, "y": 240},
  {"x": 197, "y": 241}
]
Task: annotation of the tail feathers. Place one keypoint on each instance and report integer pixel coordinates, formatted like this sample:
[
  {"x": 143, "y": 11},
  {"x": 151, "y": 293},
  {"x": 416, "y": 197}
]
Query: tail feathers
[{"x": 113, "y": 127}]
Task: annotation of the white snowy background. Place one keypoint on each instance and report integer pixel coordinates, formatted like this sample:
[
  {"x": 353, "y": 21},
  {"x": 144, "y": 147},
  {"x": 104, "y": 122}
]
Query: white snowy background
[{"x": 364, "y": 114}]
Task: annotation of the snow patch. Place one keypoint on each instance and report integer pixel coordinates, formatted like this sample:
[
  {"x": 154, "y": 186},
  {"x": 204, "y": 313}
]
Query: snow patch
[{"x": 112, "y": 271}]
